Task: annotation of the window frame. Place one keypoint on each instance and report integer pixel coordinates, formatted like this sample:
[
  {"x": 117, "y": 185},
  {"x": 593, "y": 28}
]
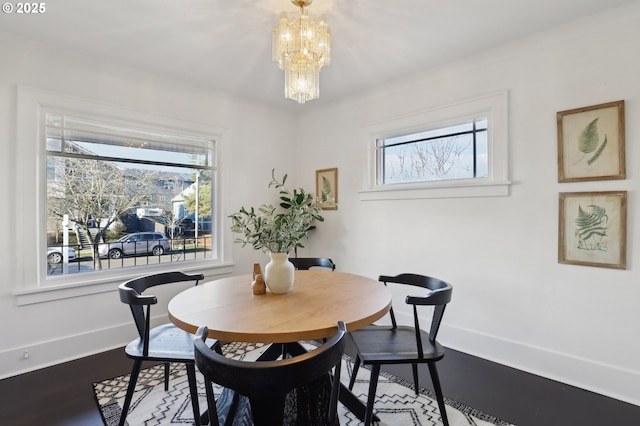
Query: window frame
[
  {"x": 32, "y": 285},
  {"x": 493, "y": 106},
  {"x": 416, "y": 139}
]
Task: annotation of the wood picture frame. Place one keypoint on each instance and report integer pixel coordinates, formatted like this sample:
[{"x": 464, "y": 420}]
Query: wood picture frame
[
  {"x": 591, "y": 143},
  {"x": 327, "y": 188},
  {"x": 593, "y": 228}
]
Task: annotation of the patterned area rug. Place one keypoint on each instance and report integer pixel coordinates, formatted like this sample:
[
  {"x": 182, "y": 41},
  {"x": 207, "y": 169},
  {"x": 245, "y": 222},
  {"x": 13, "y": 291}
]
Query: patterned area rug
[{"x": 396, "y": 403}]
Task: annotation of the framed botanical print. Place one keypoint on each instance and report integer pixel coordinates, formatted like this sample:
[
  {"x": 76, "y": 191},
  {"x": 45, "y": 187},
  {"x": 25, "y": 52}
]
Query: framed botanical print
[
  {"x": 592, "y": 229},
  {"x": 327, "y": 188},
  {"x": 591, "y": 143}
]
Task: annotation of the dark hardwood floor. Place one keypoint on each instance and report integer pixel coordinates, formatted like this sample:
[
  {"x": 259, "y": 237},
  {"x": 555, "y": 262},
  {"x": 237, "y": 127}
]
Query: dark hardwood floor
[{"x": 63, "y": 394}]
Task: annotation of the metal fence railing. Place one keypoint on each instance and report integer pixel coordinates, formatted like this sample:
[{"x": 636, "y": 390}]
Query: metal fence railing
[{"x": 83, "y": 258}]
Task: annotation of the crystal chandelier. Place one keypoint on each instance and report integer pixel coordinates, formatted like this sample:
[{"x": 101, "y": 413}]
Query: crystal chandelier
[{"x": 301, "y": 46}]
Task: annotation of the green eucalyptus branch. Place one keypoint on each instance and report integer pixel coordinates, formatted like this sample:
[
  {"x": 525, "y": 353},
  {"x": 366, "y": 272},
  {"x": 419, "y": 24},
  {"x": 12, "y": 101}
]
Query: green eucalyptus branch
[{"x": 274, "y": 230}]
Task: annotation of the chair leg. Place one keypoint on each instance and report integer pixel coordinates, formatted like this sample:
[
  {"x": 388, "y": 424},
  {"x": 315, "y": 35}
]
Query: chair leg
[
  {"x": 414, "y": 367},
  {"x": 373, "y": 384},
  {"x": 335, "y": 394},
  {"x": 133, "y": 378},
  {"x": 211, "y": 404},
  {"x": 354, "y": 373},
  {"x": 166, "y": 376},
  {"x": 193, "y": 389},
  {"x": 436, "y": 386}
]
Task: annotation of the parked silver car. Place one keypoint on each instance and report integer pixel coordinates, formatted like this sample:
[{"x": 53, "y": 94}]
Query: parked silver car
[
  {"x": 155, "y": 243},
  {"x": 54, "y": 254}
]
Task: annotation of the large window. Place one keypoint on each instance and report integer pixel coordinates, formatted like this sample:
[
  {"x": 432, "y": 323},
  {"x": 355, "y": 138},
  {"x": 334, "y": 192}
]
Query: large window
[
  {"x": 456, "y": 150},
  {"x": 108, "y": 202},
  {"x": 104, "y": 193}
]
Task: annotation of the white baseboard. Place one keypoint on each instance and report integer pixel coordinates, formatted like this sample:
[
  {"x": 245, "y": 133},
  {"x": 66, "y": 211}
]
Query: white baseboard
[
  {"x": 608, "y": 380},
  {"x": 45, "y": 353}
]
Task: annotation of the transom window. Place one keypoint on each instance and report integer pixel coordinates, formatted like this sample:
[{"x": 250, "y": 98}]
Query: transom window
[{"x": 452, "y": 152}]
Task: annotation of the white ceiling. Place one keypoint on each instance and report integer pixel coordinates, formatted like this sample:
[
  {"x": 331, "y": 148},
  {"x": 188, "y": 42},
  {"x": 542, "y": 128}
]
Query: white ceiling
[{"x": 225, "y": 45}]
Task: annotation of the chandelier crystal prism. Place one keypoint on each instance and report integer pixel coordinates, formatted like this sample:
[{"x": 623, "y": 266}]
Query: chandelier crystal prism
[{"x": 301, "y": 47}]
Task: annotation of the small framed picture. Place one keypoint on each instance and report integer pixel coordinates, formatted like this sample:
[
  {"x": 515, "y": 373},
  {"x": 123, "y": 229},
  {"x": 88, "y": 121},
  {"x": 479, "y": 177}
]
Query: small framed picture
[
  {"x": 327, "y": 188},
  {"x": 591, "y": 143},
  {"x": 593, "y": 228}
]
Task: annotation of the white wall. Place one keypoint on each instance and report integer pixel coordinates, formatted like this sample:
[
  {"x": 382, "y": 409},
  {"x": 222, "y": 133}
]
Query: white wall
[
  {"x": 513, "y": 303},
  {"x": 56, "y": 331}
]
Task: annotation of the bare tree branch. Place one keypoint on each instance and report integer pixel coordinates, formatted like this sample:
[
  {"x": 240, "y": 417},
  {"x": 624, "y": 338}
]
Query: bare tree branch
[{"x": 95, "y": 194}]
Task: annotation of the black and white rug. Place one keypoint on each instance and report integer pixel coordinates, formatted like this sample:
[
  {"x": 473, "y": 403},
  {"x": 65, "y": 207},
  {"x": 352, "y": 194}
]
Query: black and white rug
[{"x": 396, "y": 402}]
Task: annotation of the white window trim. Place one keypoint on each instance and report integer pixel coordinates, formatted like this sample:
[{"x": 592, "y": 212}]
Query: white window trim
[
  {"x": 32, "y": 285},
  {"x": 494, "y": 106}
]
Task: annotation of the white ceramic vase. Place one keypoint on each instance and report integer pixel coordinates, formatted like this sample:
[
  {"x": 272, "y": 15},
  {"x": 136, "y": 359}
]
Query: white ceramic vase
[{"x": 278, "y": 273}]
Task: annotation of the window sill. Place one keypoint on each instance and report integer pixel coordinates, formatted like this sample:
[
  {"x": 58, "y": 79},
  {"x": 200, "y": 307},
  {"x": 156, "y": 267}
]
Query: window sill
[
  {"x": 436, "y": 190},
  {"x": 64, "y": 290}
]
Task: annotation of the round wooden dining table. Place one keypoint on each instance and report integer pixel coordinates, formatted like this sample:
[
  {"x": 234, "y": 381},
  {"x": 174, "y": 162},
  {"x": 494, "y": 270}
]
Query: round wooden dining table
[{"x": 311, "y": 310}]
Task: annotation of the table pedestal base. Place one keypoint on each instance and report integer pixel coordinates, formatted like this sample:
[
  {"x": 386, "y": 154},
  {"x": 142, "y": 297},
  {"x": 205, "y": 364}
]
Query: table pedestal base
[{"x": 346, "y": 397}]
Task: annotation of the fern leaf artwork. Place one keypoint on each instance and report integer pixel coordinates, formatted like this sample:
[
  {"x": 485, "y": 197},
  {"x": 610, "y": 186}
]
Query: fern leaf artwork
[
  {"x": 588, "y": 141},
  {"x": 326, "y": 189},
  {"x": 591, "y": 228},
  {"x": 598, "y": 151}
]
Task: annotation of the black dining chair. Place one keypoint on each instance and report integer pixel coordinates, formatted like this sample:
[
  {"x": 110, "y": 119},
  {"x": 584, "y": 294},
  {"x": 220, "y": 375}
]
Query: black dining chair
[
  {"x": 266, "y": 383},
  {"x": 165, "y": 343},
  {"x": 304, "y": 263},
  {"x": 379, "y": 345}
]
